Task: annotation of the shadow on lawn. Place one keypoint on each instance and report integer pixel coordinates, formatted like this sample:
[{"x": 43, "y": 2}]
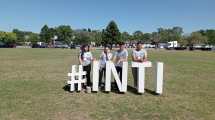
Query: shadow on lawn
[
  {"x": 114, "y": 89},
  {"x": 134, "y": 90}
]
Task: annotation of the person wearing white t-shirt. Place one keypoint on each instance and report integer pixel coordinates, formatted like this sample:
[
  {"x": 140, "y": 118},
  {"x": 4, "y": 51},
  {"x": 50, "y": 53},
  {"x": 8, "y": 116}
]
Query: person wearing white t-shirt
[
  {"x": 121, "y": 55},
  {"x": 138, "y": 55},
  {"x": 106, "y": 55},
  {"x": 85, "y": 59}
]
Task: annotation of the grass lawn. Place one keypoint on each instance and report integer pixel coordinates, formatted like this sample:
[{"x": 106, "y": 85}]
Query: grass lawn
[{"x": 32, "y": 81}]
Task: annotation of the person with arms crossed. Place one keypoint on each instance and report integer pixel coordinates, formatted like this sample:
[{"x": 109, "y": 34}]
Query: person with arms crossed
[
  {"x": 138, "y": 55},
  {"x": 106, "y": 55},
  {"x": 121, "y": 55}
]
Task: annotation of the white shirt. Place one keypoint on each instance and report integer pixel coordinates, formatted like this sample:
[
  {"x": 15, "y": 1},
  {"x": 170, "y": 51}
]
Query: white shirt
[
  {"x": 139, "y": 54},
  {"x": 121, "y": 54},
  {"x": 104, "y": 58},
  {"x": 87, "y": 58}
]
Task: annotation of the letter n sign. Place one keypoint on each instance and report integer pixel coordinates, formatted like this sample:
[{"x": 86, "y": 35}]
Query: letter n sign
[{"x": 110, "y": 70}]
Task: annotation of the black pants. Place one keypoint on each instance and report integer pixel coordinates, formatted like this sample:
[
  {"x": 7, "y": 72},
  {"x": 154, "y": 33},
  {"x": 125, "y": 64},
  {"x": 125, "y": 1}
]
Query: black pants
[
  {"x": 102, "y": 73},
  {"x": 88, "y": 70},
  {"x": 135, "y": 73},
  {"x": 119, "y": 71}
]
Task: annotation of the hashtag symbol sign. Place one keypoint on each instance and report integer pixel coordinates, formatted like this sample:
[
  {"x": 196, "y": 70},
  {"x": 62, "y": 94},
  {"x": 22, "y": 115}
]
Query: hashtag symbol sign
[{"x": 76, "y": 77}]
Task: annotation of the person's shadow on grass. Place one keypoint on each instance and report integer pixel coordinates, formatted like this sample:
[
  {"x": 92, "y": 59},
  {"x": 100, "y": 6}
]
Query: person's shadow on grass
[
  {"x": 115, "y": 89},
  {"x": 134, "y": 90},
  {"x": 66, "y": 88}
]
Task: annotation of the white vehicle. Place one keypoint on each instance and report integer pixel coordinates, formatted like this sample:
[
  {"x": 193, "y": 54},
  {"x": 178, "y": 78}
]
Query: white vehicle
[
  {"x": 149, "y": 46},
  {"x": 172, "y": 44},
  {"x": 213, "y": 48}
]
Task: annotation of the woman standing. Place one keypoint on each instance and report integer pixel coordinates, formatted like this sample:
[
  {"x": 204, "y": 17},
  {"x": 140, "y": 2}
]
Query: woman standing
[
  {"x": 86, "y": 59},
  {"x": 105, "y": 56},
  {"x": 138, "y": 55}
]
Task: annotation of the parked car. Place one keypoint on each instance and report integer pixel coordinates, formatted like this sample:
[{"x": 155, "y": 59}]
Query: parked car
[
  {"x": 39, "y": 46},
  {"x": 72, "y": 46},
  {"x": 213, "y": 48},
  {"x": 162, "y": 45},
  {"x": 2, "y": 45},
  {"x": 180, "y": 48},
  {"x": 59, "y": 44}
]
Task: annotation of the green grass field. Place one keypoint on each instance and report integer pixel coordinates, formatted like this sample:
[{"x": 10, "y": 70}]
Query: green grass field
[{"x": 32, "y": 82}]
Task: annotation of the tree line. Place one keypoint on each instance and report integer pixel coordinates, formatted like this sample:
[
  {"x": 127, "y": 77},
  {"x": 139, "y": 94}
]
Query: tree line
[{"x": 110, "y": 35}]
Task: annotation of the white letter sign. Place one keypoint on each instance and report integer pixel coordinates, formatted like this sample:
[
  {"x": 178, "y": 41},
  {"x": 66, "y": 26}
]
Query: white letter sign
[
  {"x": 141, "y": 74},
  {"x": 77, "y": 77},
  {"x": 95, "y": 76},
  {"x": 110, "y": 68},
  {"x": 159, "y": 78}
]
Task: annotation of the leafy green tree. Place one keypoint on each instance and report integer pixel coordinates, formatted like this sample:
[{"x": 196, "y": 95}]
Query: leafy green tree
[
  {"x": 210, "y": 34},
  {"x": 125, "y": 36},
  {"x": 52, "y": 32},
  {"x": 8, "y": 37},
  {"x": 111, "y": 35},
  {"x": 147, "y": 37},
  {"x": 170, "y": 34},
  {"x": 11, "y": 38},
  {"x": 196, "y": 38},
  {"x": 156, "y": 39},
  {"x": 20, "y": 35},
  {"x": 2, "y": 36},
  {"x": 34, "y": 38},
  {"x": 183, "y": 41},
  {"x": 177, "y": 33},
  {"x": 81, "y": 37},
  {"x": 96, "y": 36},
  {"x": 64, "y": 33},
  {"x": 138, "y": 35},
  {"x": 45, "y": 34},
  {"x": 165, "y": 34}
]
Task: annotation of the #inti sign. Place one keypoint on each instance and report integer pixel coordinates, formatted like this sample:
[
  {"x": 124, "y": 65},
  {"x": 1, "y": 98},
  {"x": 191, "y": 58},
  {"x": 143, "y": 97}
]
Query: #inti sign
[{"x": 76, "y": 76}]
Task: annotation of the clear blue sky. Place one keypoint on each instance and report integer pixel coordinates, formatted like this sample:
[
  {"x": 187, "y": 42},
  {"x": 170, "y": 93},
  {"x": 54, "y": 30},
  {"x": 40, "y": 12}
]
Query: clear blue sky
[{"x": 130, "y": 15}]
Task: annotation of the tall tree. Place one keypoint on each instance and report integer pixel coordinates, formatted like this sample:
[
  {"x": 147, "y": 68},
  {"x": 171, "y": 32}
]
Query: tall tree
[
  {"x": 112, "y": 34},
  {"x": 170, "y": 34},
  {"x": 165, "y": 34},
  {"x": 147, "y": 37},
  {"x": 138, "y": 35},
  {"x": 64, "y": 33},
  {"x": 81, "y": 37},
  {"x": 45, "y": 34},
  {"x": 177, "y": 33},
  {"x": 96, "y": 36},
  {"x": 196, "y": 38},
  {"x": 156, "y": 38},
  {"x": 20, "y": 35},
  {"x": 125, "y": 36},
  {"x": 34, "y": 38},
  {"x": 8, "y": 37},
  {"x": 210, "y": 34}
]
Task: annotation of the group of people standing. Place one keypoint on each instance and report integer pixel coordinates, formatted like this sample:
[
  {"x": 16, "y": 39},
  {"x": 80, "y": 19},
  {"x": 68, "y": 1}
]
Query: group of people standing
[{"x": 139, "y": 54}]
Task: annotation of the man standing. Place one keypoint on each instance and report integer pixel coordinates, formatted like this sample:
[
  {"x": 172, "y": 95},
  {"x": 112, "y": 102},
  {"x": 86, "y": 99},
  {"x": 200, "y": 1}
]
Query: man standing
[
  {"x": 138, "y": 55},
  {"x": 121, "y": 55}
]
